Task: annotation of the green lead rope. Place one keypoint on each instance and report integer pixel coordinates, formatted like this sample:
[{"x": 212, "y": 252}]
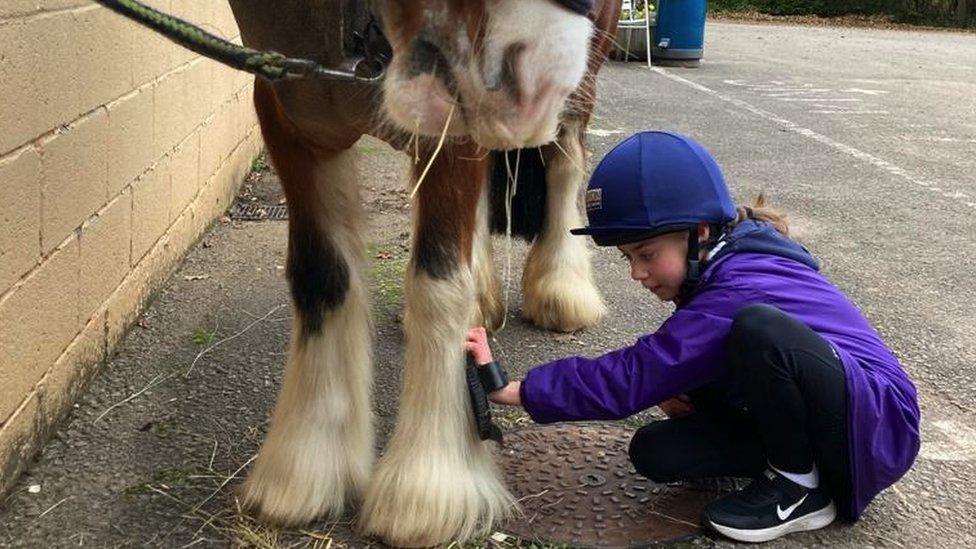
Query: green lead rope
[{"x": 267, "y": 64}]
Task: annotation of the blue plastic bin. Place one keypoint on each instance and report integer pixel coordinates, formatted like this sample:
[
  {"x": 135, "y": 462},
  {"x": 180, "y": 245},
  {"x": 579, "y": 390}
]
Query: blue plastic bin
[{"x": 680, "y": 31}]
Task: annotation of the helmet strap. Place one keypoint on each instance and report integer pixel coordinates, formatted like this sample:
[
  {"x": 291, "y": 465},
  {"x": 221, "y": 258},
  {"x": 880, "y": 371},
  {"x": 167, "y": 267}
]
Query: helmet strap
[{"x": 694, "y": 265}]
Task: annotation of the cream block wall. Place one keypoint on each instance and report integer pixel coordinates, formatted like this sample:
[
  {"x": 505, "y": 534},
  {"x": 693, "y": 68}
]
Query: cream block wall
[{"x": 117, "y": 150}]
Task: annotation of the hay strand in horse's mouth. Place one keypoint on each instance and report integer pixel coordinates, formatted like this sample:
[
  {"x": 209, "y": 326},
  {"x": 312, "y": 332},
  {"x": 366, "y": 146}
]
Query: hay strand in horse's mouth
[{"x": 437, "y": 150}]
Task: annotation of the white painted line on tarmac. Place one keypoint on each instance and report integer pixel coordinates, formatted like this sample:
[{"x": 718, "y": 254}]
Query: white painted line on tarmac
[
  {"x": 937, "y": 139},
  {"x": 820, "y": 99},
  {"x": 834, "y": 111},
  {"x": 603, "y": 133},
  {"x": 880, "y": 163},
  {"x": 804, "y": 91},
  {"x": 865, "y": 92}
]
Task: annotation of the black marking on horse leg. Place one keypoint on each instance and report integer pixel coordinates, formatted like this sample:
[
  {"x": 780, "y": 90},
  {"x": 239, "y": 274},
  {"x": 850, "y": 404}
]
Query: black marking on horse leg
[
  {"x": 319, "y": 275},
  {"x": 436, "y": 253},
  {"x": 529, "y": 202}
]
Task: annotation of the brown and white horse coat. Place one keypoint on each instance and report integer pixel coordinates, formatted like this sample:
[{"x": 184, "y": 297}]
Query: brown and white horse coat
[{"x": 492, "y": 74}]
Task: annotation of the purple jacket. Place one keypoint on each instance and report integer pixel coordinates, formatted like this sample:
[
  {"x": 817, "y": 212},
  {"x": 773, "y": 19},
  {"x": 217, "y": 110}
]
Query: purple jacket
[{"x": 755, "y": 265}]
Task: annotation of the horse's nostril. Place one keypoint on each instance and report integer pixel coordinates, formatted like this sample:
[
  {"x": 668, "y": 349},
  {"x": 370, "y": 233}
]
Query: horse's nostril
[
  {"x": 504, "y": 76},
  {"x": 426, "y": 57}
]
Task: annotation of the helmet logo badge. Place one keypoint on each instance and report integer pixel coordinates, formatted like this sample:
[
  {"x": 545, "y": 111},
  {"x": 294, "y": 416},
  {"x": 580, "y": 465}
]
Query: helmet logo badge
[{"x": 594, "y": 199}]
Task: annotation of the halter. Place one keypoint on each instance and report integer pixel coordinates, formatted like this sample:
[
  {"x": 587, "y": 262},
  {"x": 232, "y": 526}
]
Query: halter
[
  {"x": 367, "y": 62},
  {"x": 582, "y": 7}
]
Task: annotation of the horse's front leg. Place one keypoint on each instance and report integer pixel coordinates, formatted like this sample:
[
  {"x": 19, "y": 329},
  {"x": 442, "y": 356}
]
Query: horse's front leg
[
  {"x": 557, "y": 282},
  {"x": 437, "y": 481},
  {"x": 319, "y": 449}
]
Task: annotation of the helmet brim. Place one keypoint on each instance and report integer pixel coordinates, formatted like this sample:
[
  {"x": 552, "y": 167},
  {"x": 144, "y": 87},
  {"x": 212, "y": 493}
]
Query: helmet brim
[{"x": 618, "y": 236}]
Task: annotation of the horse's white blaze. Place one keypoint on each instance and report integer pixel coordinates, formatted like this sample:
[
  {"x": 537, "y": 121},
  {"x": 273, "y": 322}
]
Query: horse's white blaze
[
  {"x": 436, "y": 480},
  {"x": 557, "y": 281},
  {"x": 319, "y": 448}
]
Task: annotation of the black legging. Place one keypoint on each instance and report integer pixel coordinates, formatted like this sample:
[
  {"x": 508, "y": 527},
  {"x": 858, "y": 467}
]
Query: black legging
[{"x": 785, "y": 402}]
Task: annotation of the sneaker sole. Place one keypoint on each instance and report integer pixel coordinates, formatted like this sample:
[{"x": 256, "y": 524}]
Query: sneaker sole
[{"x": 811, "y": 521}]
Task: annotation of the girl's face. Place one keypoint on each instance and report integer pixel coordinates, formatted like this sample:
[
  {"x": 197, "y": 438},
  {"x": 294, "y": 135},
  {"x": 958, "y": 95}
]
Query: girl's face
[{"x": 660, "y": 263}]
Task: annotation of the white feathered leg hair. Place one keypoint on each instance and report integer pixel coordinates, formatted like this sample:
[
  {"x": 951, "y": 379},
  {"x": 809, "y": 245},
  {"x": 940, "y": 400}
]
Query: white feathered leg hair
[{"x": 557, "y": 282}]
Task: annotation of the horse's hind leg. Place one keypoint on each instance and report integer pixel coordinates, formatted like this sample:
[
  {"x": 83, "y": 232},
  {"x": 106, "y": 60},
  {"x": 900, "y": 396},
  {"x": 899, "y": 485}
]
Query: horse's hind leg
[
  {"x": 319, "y": 448},
  {"x": 491, "y": 305},
  {"x": 437, "y": 481},
  {"x": 557, "y": 282}
]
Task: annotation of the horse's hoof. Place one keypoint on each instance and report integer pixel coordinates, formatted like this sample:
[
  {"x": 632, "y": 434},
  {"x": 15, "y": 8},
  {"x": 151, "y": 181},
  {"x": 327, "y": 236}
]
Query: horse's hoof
[
  {"x": 562, "y": 303},
  {"x": 268, "y": 502},
  {"x": 491, "y": 312},
  {"x": 294, "y": 483},
  {"x": 430, "y": 500}
]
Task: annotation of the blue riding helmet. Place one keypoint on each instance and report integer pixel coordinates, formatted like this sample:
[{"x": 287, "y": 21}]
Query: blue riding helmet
[{"x": 653, "y": 183}]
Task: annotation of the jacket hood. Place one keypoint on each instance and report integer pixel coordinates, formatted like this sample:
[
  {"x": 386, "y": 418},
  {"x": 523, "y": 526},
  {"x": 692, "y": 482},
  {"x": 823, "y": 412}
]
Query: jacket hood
[{"x": 760, "y": 237}]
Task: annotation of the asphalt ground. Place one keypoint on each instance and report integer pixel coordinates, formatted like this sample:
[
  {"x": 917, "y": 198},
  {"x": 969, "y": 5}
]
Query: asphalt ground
[{"x": 866, "y": 137}]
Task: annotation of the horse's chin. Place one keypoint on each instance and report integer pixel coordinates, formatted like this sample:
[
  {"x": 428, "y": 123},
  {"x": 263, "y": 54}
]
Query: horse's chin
[
  {"x": 419, "y": 106},
  {"x": 497, "y": 135},
  {"x": 489, "y": 133}
]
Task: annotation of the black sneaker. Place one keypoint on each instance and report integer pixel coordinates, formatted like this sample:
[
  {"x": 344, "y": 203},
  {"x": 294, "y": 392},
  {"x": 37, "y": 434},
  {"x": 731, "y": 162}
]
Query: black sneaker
[{"x": 770, "y": 507}]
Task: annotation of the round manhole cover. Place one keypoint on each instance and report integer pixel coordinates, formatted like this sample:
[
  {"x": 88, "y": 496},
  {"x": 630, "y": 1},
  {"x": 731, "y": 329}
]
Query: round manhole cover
[{"x": 577, "y": 486}]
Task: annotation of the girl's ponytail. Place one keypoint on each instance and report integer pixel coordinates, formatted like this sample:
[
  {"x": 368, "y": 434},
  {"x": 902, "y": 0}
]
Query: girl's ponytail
[{"x": 761, "y": 212}]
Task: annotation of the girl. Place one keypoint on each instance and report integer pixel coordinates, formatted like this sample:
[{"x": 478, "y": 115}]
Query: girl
[{"x": 765, "y": 368}]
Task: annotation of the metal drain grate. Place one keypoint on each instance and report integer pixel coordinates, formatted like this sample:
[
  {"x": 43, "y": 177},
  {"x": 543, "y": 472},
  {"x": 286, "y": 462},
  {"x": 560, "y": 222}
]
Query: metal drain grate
[
  {"x": 258, "y": 212},
  {"x": 577, "y": 487}
]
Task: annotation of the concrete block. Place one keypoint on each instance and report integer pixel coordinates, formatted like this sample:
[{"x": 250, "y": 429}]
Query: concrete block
[
  {"x": 20, "y": 216},
  {"x": 20, "y": 8},
  {"x": 223, "y": 20},
  {"x": 176, "y": 108},
  {"x": 226, "y": 82},
  {"x": 150, "y": 54},
  {"x": 245, "y": 116},
  {"x": 130, "y": 139},
  {"x": 72, "y": 371},
  {"x": 105, "y": 243},
  {"x": 129, "y": 300},
  {"x": 74, "y": 167},
  {"x": 151, "y": 199},
  {"x": 201, "y": 83},
  {"x": 215, "y": 142},
  {"x": 19, "y": 439},
  {"x": 20, "y": 90},
  {"x": 194, "y": 11},
  {"x": 38, "y": 319},
  {"x": 209, "y": 150},
  {"x": 58, "y": 68},
  {"x": 185, "y": 173}
]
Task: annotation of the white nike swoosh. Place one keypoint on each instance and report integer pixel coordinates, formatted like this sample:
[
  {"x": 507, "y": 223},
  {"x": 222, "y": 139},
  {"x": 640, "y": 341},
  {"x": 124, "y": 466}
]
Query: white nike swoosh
[{"x": 784, "y": 514}]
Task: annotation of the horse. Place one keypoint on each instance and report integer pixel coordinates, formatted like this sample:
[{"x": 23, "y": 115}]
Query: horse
[{"x": 465, "y": 78}]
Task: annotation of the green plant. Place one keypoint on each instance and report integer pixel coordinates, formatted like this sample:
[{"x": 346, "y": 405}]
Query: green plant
[
  {"x": 917, "y": 12},
  {"x": 259, "y": 164},
  {"x": 639, "y": 12},
  {"x": 202, "y": 337}
]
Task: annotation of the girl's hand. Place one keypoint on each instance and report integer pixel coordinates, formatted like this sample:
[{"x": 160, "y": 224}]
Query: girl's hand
[
  {"x": 678, "y": 406},
  {"x": 477, "y": 345}
]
